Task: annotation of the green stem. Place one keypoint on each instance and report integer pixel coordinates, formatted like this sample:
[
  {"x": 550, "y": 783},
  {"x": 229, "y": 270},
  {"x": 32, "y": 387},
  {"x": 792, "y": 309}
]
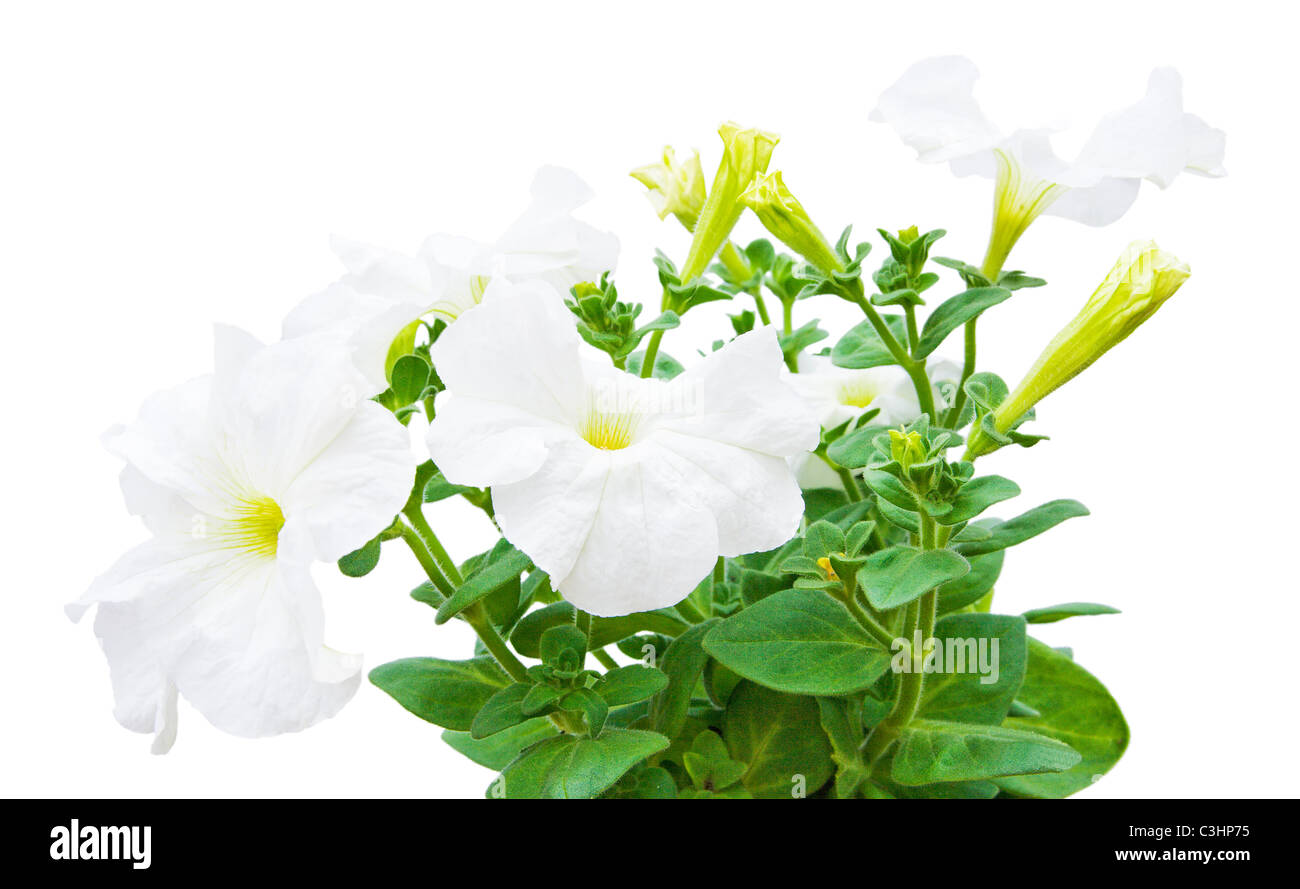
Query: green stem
[
  {"x": 759, "y": 304},
  {"x": 787, "y": 316},
  {"x": 913, "y": 335},
  {"x": 869, "y": 623},
  {"x": 474, "y": 615},
  {"x": 604, "y": 659},
  {"x": 651, "y": 354},
  {"x": 415, "y": 515},
  {"x": 915, "y": 369},
  {"x": 967, "y": 369},
  {"x": 719, "y": 571}
]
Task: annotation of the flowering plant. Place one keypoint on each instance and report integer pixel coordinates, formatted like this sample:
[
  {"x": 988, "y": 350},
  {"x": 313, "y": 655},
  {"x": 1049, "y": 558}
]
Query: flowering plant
[{"x": 765, "y": 571}]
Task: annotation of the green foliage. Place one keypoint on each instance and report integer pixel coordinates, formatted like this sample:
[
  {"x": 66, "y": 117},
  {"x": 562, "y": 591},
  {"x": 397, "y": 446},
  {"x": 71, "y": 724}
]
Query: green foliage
[
  {"x": 607, "y": 323},
  {"x": 780, "y": 737},
  {"x": 930, "y": 752},
  {"x": 446, "y": 693},
  {"x": 798, "y": 641}
]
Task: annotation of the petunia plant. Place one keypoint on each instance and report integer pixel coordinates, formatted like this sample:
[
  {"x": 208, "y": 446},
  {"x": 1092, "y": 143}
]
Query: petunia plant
[{"x": 764, "y": 569}]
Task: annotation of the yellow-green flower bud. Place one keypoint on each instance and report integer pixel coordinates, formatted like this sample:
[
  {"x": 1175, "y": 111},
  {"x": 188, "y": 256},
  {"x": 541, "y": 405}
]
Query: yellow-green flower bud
[
  {"x": 1142, "y": 279},
  {"x": 906, "y": 448},
  {"x": 782, "y": 215},
  {"x": 745, "y": 154},
  {"x": 676, "y": 188}
]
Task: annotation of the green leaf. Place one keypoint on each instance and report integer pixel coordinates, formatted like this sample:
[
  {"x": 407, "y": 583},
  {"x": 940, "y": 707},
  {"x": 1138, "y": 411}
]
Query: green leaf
[
  {"x": 821, "y": 539},
  {"x": 1069, "y": 609},
  {"x": 446, "y": 693},
  {"x": 977, "y": 495},
  {"x": 527, "y": 634},
  {"x": 781, "y": 737},
  {"x": 570, "y": 767},
  {"x": 955, "y": 312},
  {"x": 819, "y": 501},
  {"x": 709, "y": 765},
  {"x": 756, "y": 586},
  {"x": 590, "y": 705},
  {"x": 889, "y": 488},
  {"x": 841, "y": 719},
  {"x": 1074, "y": 707},
  {"x": 361, "y": 562},
  {"x": 501, "y": 566},
  {"x": 495, "y": 752},
  {"x": 627, "y": 685},
  {"x": 978, "y": 681},
  {"x": 682, "y": 662},
  {"x": 539, "y": 700},
  {"x": 930, "y": 752},
  {"x": 896, "y": 576},
  {"x": 984, "y": 571},
  {"x": 501, "y": 711},
  {"x": 666, "y": 366},
  {"x": 564, "y": 647},
  {"x": 1024, "y": 526},
  {"x": 799, "y": 641},
  {"x": 410, "y": 376},
  {"x": 438, "y": 488},
  {"x": 862, "y": 347}
]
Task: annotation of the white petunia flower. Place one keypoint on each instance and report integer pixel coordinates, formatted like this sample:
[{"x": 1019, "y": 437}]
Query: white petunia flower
[
  {"x": 625, "y": 490},
  {"x": 840, "y": 394},
  {"x": 386, "y": 293},
  {"x": 244, "y": 477},
  {"x": 932, "y": 108}
]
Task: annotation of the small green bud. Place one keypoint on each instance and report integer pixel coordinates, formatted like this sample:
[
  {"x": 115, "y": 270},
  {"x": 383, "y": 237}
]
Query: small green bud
[
  {"x": 908, "y": 235},
  {"x": 676, "y": 188},
  {"x": 906, "y": 448},
  {"x": 782, "y": 215},
  {"x": 745, "y": 154}
]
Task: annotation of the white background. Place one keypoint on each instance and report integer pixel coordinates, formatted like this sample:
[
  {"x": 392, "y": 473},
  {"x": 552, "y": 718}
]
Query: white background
[{"x": 164, "y": 166}]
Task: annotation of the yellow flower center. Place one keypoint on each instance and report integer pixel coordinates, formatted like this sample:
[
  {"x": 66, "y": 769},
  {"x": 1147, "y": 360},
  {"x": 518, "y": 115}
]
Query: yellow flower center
[
  {"x": 254, "y": 526},
  {"x": 825, "y": 564},
  {"x": 858, "y": 392},
  {"x": 609, "y": 430}
]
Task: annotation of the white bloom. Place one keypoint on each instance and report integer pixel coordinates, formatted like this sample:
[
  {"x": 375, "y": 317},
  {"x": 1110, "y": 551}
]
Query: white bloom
[
  {"x": 625, "y": 490},
  {"x": 839, "y": 394},
  {"x": 386, "y": 292},
  {"x": 244, "y": 477},
  {"x": 932, "y": 108}
]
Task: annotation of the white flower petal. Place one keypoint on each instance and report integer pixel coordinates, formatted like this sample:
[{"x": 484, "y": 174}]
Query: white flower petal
[
  {"x": 753, "y": 497},
  {"x": 738, "y": 396},
  {"x": 387, "y": 273},
  {"x": 933, "y": 109},
  {"x": 618, "y": 531},
  {"x": 354, "y": 487},
  {"x": 480, "y": 443},
  {"x": 522, "y": 328}
]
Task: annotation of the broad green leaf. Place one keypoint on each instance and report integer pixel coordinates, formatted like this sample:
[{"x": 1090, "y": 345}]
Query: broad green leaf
[
  {"x": 931, "y": 752},
  {"x": 821, "y": 539},
  {"x": 889, "y": 488},
  {"x": 781, "y": 737},
  {"x": 799, "y": 641},
  {"x": 977, "y": 495},
  {"x": 501, "y": 566},
  {"x": 501, "y": 711},
  {"x": 682, "y": 662},
  {"x": 862, "y": 347},
  {"x": 526, "y": 637},
  {"x": 896, "y": 576},
  {"x": 496, "y": 751},
  {"x": 563, "y": 646},
  {"x": 953, "y": 313},
  {"x": 446, "y": 693},
  {"x": 409, "y": 377},
  {"x": 1074, "y": 707},
  {"x": 361, "y": 562},
  {"x": 758, "y": 585},
  {"x": 666, "y": 366},
  {"x": 649, "y": 783},
  {"x": 855, "y": 450},
  {"x": 984, "y": 571},
  {"x": 570, "y": 767},
  {"x": 1024, "y": 526},
  {"x": 819, "y": 501},
  {"x": 709, "y": 765},
  {"x": 980, "y": 661},
  {"x": 1069, "y": 609},
  {"x": 627, "y": 685}
]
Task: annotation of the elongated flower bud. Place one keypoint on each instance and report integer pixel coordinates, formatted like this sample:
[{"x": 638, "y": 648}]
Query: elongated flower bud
[
  {"x": 1142, "y": 279},
  {"x": 745, "y": 155},
  {"x": 1019, "y": 197},
  {"x": 676, "y": 188},
  {"x": 782, "y": 215}
]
